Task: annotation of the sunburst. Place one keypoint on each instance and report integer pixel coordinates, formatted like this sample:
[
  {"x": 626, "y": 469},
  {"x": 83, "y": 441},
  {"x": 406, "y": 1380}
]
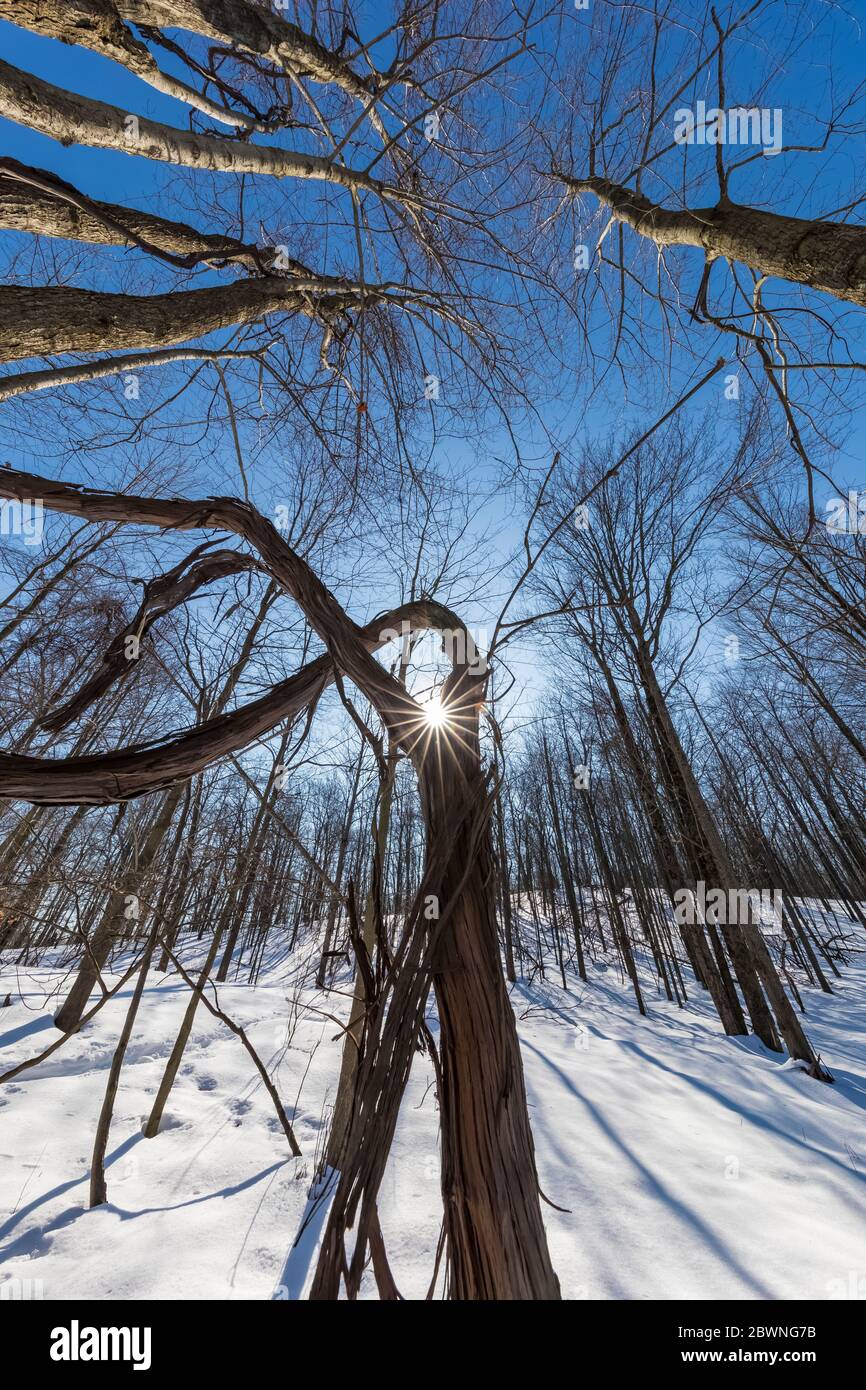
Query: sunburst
[{"x": 435, "y": 714}]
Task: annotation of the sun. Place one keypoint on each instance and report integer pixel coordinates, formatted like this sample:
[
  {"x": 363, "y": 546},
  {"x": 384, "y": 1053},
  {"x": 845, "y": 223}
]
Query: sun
[{"x": 435, "y": 714}]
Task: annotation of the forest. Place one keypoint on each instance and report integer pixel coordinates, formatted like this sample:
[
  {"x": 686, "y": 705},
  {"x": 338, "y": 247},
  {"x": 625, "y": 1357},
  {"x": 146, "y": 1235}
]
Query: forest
[{"x": 432, "y": 646}]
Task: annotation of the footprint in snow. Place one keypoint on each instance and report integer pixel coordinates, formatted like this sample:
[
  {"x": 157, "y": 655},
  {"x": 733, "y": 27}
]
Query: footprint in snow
[{"x": 239, "y": 1108}]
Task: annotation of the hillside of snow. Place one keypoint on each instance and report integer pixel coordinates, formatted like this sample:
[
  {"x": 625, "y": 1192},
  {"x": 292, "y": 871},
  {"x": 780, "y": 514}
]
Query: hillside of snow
[{"x": 688, "y": 1165}]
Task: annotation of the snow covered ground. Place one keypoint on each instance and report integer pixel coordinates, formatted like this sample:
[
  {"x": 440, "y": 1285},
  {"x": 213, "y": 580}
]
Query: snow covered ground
[{"x": 691, "y": 1165}]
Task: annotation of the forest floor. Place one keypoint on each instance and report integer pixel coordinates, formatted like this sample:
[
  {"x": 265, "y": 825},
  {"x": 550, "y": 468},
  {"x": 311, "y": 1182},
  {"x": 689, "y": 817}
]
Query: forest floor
[{"x": 690, "y": 1165}]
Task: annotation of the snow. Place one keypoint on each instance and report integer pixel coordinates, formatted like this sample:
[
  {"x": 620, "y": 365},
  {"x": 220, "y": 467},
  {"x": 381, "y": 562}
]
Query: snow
[{"x": 690, "y": 1165}]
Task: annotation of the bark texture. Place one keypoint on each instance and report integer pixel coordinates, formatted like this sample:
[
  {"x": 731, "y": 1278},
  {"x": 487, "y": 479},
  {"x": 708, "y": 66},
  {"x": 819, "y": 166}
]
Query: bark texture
[
  {"x": 495, "y": 1239},
  {"x": 77, "y": 120},
  {"x": 96, "y": 24},
  {"x": 43, "y": 321},
  {"x": 257, "y": 30},
  {"x": 107, "y": 777},
  {"x": 37, "y": 201},
  {"x": 827, "y": 256},
  {"x": 161, "y": 595}
]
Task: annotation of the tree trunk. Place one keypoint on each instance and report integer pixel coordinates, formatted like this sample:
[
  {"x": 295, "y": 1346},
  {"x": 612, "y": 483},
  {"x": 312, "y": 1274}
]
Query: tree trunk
[
  {"x": 95, "y": 957},
  {"x": 495, "y": 1237},
  {"x": 172, "y": 1066},
  {"x": 98, "y": 1189},
  {"x": 753, "y": 965},
  {"x": 828, "y": 256}
]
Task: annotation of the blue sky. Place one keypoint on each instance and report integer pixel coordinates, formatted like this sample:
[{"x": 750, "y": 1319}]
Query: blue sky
[{"x": 826, "y": 56}]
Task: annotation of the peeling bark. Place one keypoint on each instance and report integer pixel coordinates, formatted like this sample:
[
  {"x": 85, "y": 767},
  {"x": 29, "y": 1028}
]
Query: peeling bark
[
  {"x": 496, "y": 1243},
  {"x": 103, "y": 778},
  {"x": 495, "y": 1238},
  {"x": 161, "y": 595}
]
